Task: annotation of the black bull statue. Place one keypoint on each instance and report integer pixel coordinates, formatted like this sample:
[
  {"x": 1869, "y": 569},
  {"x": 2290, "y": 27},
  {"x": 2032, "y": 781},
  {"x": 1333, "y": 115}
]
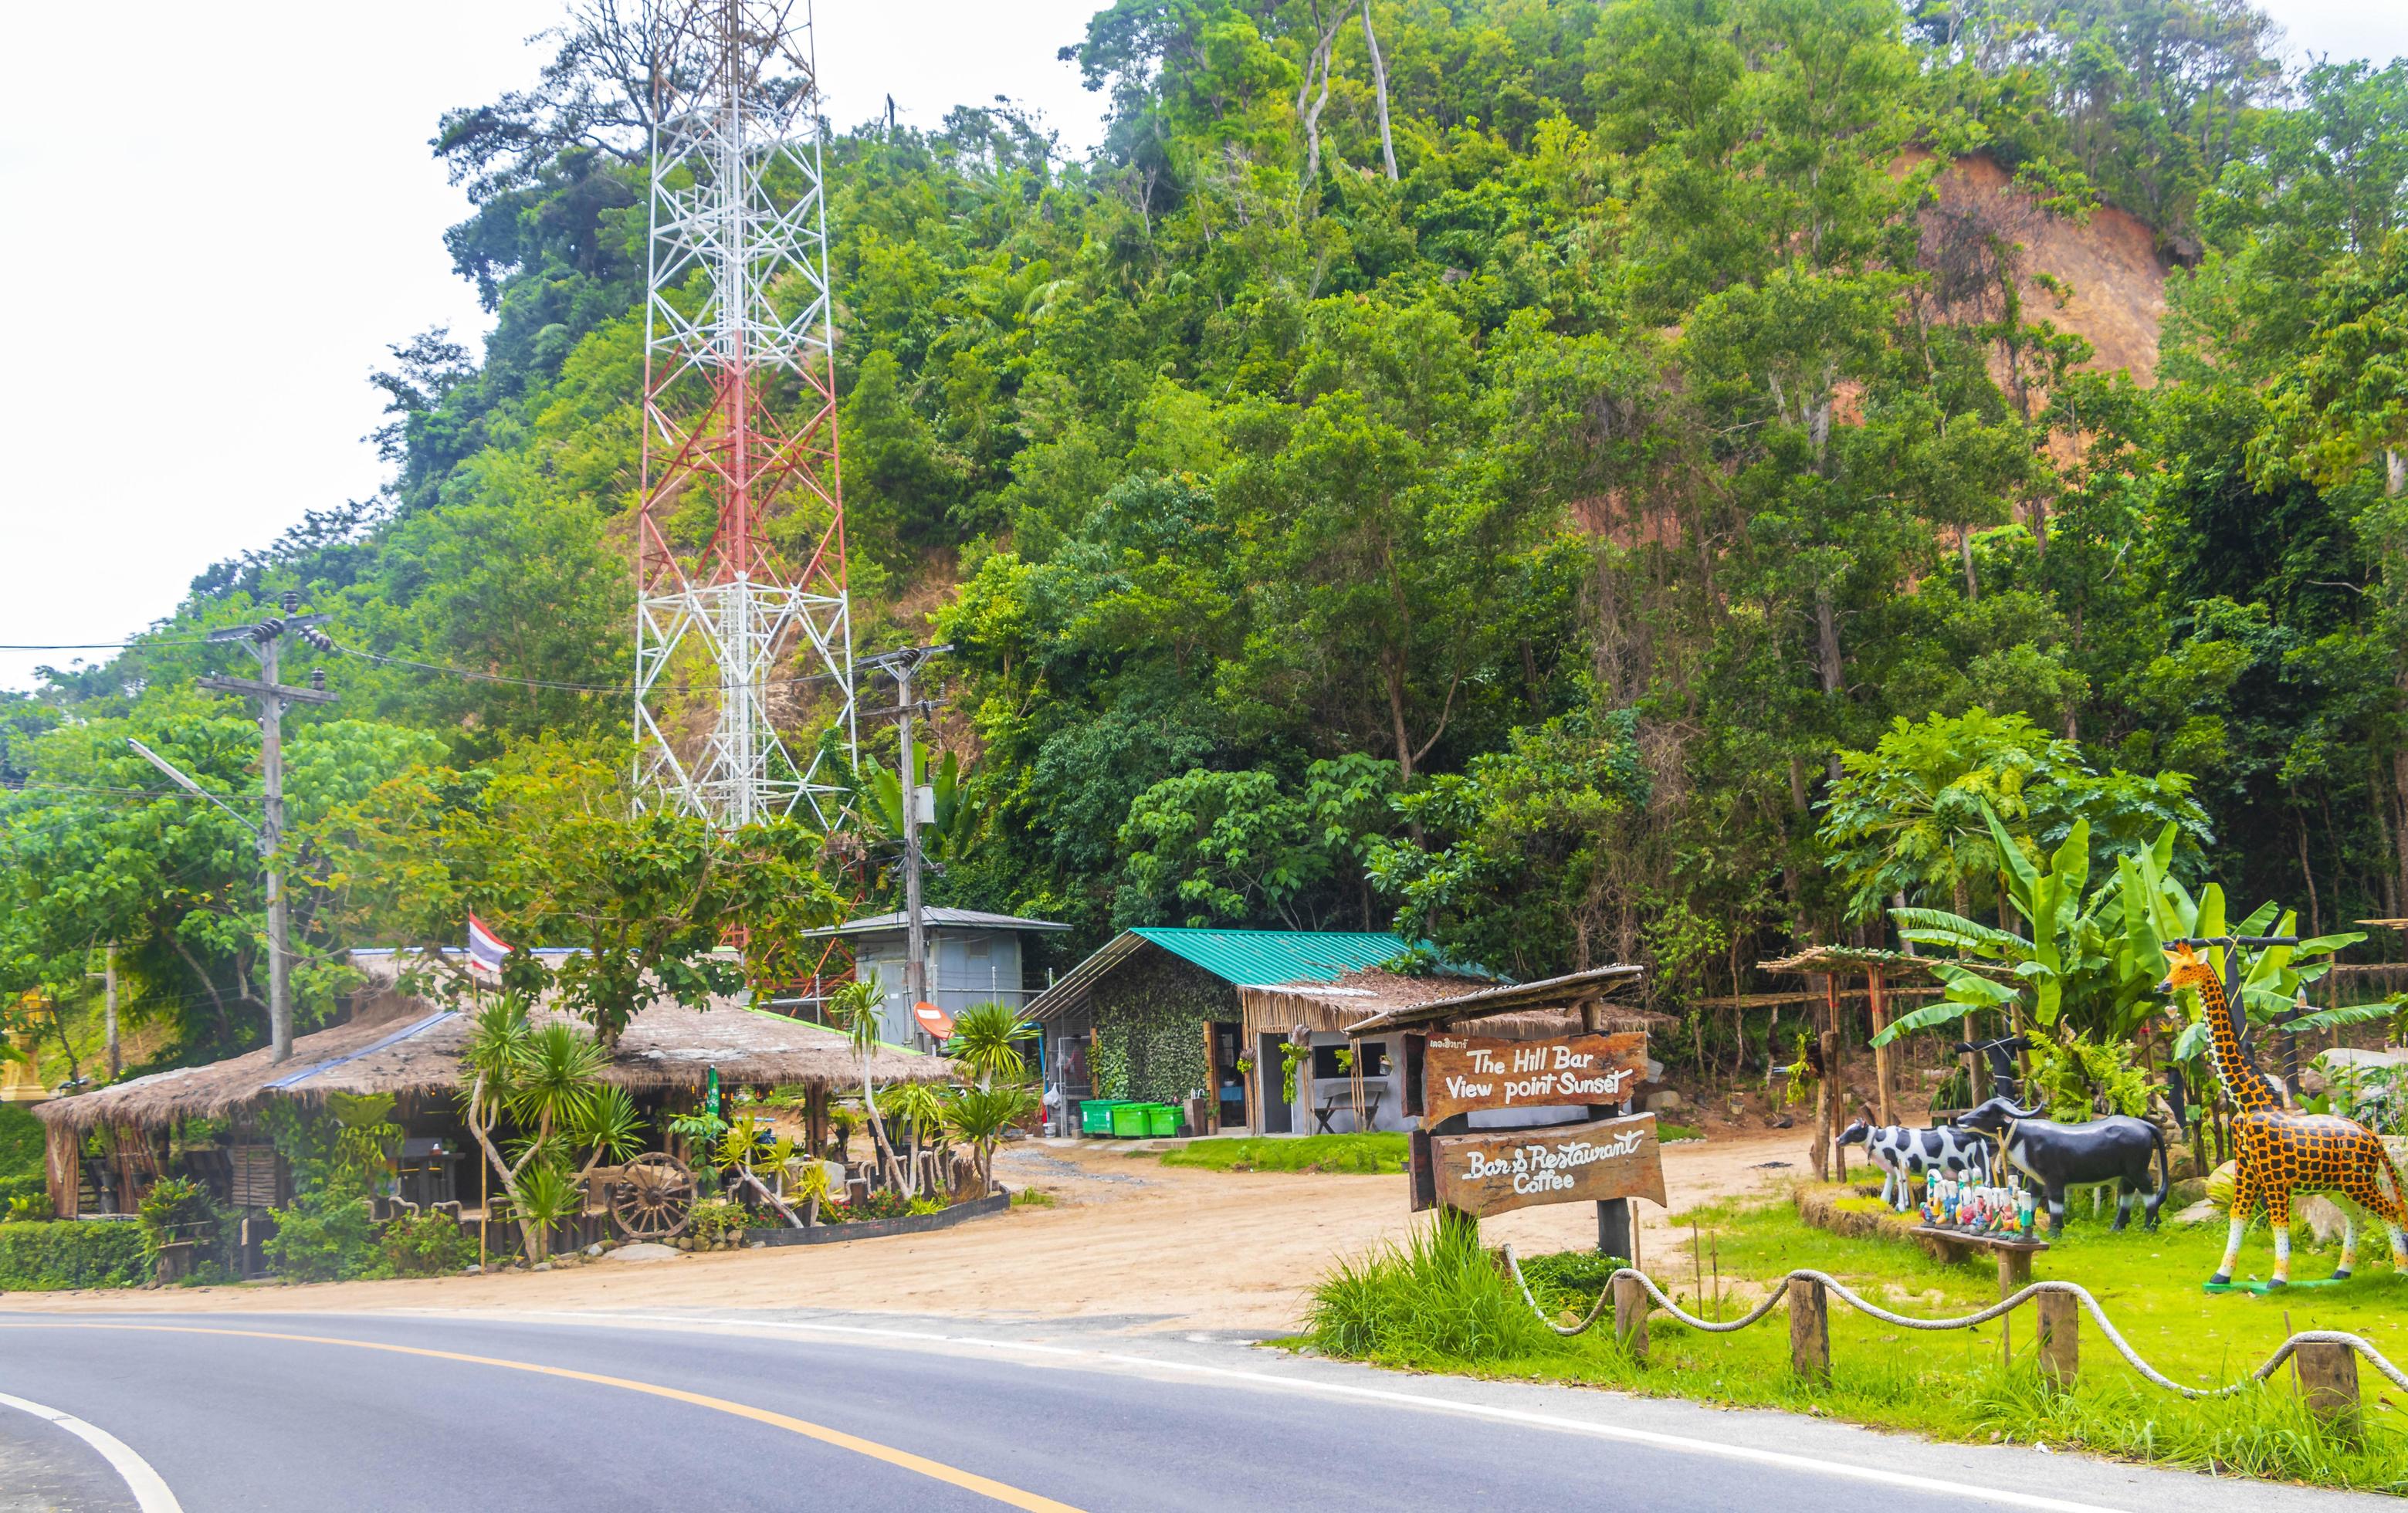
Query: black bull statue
[{"x": 2057, "y": 1156}]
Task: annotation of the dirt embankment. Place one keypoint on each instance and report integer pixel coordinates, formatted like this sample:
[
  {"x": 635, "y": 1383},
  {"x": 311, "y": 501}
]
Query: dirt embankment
[
  {"x": 1127, "y": 1239},
  {"x": 2108, "y": 261}
]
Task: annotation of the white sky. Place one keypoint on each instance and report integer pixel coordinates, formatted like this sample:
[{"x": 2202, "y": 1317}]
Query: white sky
[{"x": 205, "y": 269}]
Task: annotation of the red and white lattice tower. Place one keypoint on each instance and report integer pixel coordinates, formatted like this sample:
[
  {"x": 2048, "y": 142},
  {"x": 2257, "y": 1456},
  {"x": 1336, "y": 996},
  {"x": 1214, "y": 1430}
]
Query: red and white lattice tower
[{"x": 739, "y": 425}]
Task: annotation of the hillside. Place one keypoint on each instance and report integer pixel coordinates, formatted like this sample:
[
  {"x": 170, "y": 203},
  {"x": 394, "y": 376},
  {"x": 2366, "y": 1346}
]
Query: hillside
[{"x": 1532, "y": 516}]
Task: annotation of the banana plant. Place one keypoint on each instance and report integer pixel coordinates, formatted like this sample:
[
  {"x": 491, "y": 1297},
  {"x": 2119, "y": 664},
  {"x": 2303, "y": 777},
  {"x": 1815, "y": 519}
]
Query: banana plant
[
  {"x": 2064, "y": 955},
  {"x": 949, "y": 833}
]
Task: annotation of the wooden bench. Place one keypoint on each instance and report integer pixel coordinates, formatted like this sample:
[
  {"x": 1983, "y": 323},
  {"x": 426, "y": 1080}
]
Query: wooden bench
[{"x": 2014, "y": 1253}]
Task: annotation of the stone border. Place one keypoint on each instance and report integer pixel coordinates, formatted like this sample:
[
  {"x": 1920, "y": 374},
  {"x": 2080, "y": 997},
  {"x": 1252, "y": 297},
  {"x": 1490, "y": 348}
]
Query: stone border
[{"x": 870, "y": 1229}]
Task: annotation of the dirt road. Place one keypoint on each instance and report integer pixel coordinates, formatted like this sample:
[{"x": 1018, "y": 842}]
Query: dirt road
[{"x": 1127, "y": 1239}]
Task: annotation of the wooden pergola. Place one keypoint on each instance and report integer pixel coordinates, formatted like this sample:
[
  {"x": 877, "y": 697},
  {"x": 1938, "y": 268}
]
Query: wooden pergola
[{"x": 1831, "y": 962}]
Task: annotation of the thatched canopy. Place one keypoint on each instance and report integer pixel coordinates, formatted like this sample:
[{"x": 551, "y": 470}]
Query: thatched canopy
[
  {"x": 1515, "y": 1010},
  {"x": 1277, "y": 1007},
  {"x": 1847, "y": 961},
  {"x": 405, "y": 1046}
]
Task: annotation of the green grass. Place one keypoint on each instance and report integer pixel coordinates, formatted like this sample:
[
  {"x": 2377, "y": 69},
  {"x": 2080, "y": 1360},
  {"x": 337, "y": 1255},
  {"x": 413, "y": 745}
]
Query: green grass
[
  {"x": 1436, "y": 1306},
  {"x": 1031, "y": 1197},
  {"x": 1378, "y": 1152}
]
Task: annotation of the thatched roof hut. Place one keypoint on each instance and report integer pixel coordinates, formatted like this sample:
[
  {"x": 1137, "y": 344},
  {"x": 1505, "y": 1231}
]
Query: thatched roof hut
[{"x": 396, "y": 1042}]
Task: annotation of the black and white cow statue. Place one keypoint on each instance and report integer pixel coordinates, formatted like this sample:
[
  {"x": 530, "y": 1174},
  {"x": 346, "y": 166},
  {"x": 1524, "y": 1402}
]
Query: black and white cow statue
[
  {"x": 2113, "y": 1149},
  {"x": 1903, "y": 1152}
]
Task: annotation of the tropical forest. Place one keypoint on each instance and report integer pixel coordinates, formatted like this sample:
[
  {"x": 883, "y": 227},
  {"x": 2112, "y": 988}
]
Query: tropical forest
[{"x": 1672, "y": 482}]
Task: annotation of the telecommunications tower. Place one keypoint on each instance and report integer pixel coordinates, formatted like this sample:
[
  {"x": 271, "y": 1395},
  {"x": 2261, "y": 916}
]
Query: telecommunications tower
[{"x": 738, "y": 426}]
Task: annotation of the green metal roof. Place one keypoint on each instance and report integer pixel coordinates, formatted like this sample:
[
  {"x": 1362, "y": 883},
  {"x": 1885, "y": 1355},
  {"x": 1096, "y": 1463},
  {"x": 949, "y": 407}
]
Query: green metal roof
[{"x": 1259, "y": 958}]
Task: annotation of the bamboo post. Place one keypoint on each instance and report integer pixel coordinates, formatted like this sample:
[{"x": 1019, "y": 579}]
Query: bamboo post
[
  {"x": 1835, "y": 1108},
  {"x": 1630, "y": 1304},
  {"x": 2061, "y": 1337},
  {"x": 1881, "y": 1052},
  {"x": 2329, "y": 1380},
  {"x": 1837, "y": 1115},
  {"x": 1810, "y": 1330}
]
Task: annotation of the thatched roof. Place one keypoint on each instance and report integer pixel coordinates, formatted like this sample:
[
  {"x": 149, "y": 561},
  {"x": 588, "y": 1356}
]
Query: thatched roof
[
  {"x": 405, "y": 1046},
  {"x": 1547, "y": 1006}
]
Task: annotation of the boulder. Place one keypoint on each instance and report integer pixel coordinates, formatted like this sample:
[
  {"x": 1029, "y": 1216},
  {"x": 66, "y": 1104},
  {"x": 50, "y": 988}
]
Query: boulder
[
  {"x": 2323, "y": 1218},
  {"x": 2202, "y": 1212},
  {"x": 646, "y": 1251},
  {"x": 1667, "y": 1102}
]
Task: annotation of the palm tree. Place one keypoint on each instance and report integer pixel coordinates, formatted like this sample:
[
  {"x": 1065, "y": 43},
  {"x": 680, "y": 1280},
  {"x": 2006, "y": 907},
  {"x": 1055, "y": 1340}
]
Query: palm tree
[
  {"x": 979, "y": 1116},
  {"x": 853, "y": 1006},
  {"x": 983, "y": 1041},
  {"x": 918, "y": 1104}
]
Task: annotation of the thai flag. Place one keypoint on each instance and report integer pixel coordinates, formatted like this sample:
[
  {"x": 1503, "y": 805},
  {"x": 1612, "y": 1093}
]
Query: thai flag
[{"x": 486, "y": 949}]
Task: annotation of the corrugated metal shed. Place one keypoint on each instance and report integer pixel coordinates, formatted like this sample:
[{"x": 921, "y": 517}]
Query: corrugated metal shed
[{"x": 1259, "y": 958}]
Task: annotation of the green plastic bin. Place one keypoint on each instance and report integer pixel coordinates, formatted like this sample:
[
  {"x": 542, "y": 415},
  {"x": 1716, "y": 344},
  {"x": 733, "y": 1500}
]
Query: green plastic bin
[
  {"x": 1161, "y": 1119},
  {"x": 1096, "y": 1115},
  {"x": 1128, "y": 1121}
]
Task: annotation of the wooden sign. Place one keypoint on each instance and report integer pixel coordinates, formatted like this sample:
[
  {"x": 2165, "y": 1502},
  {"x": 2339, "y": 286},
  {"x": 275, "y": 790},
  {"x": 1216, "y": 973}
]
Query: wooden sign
[
  {"x": 1462, "y": 1073},
  {"x": 1497, "y": 1171}
]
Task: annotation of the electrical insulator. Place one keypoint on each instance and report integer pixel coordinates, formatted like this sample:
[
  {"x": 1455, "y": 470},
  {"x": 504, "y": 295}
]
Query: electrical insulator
[
  {"x": 318, "y": 679},
  {"x": 267, "y": 630},
  {"x": 291, "y": 600}
]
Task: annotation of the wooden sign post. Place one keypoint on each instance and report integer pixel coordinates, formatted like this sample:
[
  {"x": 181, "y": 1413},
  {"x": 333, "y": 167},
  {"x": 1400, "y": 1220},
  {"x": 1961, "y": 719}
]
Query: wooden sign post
[
  {"x": 1597, "y": 1161},
  {"x": 1608, "y": 1159},
  {"x": 1461, "y": 1074}
]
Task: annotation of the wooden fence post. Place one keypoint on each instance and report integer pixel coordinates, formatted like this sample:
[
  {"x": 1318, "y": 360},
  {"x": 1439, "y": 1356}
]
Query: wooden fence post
[
  {"x": 1810, "y": 1330},
  {"x": 2061, "y": 1337},
  {"x": 1630, "y": 1305},
  {"x": 2329, "y": 1380},
  {"x": 2014, "y": 1270}
]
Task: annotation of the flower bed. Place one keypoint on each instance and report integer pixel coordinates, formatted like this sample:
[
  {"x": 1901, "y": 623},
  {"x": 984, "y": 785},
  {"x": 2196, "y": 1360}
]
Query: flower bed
[{"x": 867, "y": 1229}]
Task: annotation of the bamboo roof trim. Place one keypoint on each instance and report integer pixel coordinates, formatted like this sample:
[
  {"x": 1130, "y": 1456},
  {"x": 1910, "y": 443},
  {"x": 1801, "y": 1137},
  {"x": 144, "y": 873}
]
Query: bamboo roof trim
[{"x": 1788, "y": 1000}]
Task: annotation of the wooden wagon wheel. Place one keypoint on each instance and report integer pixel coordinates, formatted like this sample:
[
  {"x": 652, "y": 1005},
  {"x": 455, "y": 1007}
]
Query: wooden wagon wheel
[{"x": 653, "y": 1197}]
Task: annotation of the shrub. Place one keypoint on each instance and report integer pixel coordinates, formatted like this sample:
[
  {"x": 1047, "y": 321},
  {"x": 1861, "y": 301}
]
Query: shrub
[
  {"x": 178, "y": 1209},
  {"x": 1570, "y": 1279},
  {"x": 20, "y": 1144},
  {"x": 45, "y": 1257},
  {"x": 323, "y": 1238},
  {"x": 423, "y": 1245},
  {"x": 717, "y": 1219},
  {"x": 25, "y": 1206}
]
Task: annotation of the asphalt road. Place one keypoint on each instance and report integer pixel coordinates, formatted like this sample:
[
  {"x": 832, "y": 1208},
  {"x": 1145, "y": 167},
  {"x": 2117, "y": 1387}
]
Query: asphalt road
[{"x": 373, "y": 1412}]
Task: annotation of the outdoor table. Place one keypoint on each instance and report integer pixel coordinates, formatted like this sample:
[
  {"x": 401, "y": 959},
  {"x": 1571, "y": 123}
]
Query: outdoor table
[{"x": 1343, "y": 1099}]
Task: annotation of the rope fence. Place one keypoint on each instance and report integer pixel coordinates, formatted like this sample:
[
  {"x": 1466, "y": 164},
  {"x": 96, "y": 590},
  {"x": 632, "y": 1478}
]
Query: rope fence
[{"x": 2328, "y": 1356}]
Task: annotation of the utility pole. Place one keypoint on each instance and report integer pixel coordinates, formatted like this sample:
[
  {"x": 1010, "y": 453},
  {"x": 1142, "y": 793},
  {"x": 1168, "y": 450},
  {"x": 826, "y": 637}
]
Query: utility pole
[
  {"x": 108, "y": 1021},
  {"x": 904, "y": 666},
  {"x": 265, "y": 641}
]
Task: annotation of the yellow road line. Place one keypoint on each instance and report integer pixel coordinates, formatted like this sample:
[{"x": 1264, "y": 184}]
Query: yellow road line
[{"x": 935, "y": 1470}]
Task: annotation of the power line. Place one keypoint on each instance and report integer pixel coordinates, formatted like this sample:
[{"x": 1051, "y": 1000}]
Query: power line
[
  {"x": 106, "y": 646},
  {"x": 129, "y": 792}
]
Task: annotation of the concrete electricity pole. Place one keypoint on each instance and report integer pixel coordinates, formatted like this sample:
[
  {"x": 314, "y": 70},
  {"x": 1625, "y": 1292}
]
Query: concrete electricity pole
[
  {"x": 265, "y": 641},
  {"x": 903, "y": 666}
]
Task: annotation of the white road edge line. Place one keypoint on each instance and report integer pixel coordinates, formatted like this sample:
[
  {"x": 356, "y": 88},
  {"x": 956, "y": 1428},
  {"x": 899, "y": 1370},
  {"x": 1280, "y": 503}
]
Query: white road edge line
[
  {"x": 1377, "y": 1395},
  {"x": 151, "y": 1493}
]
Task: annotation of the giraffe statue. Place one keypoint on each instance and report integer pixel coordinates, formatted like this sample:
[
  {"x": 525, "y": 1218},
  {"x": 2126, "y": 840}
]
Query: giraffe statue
[{"x": 2281, "y": 1153}]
